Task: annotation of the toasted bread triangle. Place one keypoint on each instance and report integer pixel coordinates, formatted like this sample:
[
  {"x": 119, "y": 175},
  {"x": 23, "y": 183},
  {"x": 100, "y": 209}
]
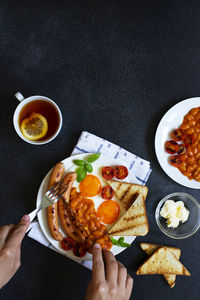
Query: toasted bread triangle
[
  {"x": 151, "y": 248},
  {"x": 134, "y": 222},
  {"x": 162, "y": 261},
  {"x": 127, "y": 192}
]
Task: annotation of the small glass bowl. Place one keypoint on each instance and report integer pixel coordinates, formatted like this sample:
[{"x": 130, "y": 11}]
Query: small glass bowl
[{"x": 185, "y": 229}]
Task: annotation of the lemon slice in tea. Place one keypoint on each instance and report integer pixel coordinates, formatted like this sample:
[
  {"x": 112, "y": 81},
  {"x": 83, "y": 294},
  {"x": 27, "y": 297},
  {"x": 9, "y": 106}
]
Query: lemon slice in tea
[{"x": 34, "y": 127}]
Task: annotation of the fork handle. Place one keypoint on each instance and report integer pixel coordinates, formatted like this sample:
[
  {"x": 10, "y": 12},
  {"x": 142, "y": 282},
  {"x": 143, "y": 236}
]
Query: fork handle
[{"x": 33, "y": 214}]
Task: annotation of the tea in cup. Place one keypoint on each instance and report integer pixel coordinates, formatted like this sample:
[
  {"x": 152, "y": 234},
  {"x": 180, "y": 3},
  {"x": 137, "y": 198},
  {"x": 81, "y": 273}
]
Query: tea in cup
[{"x": 37, "y": 119}]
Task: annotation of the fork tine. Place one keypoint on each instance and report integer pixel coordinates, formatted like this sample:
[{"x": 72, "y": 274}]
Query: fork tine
[
  {"x": 57, "y": 192},
  {"x": 61, "y": 186},
  {"x": 53, "y": 187},
  {"x": 64, "y": 190},
  {"x": 54, "y": 192},
  {"x": 60, "y": 194}
]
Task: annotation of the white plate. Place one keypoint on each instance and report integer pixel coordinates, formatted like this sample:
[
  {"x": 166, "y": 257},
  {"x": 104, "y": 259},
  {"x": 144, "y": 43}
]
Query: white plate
[
  {"x": 172, "y": 120},
  {"x": 69, "y": 166}
]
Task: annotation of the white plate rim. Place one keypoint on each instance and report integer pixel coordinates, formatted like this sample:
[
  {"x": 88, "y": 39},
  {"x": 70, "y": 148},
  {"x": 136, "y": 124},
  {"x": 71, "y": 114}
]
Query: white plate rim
[
  {"x": 42, "y": 215},
  {"x": 181, "y": 108}
]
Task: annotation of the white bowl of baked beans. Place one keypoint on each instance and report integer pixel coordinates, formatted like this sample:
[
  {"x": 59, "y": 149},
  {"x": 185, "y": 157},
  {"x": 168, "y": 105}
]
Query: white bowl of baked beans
[
  {"x": 179, "y": 128},
  {"x": 183, "y": 230}
]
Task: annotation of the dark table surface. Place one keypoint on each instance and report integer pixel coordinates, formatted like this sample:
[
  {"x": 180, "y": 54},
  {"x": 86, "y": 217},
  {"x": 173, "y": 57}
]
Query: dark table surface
[{"x": 114, "y": 68}]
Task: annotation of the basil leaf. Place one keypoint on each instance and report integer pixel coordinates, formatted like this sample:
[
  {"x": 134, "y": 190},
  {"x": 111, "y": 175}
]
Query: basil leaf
[
  {"x": 114, "y": 241},
  {"x": 121, "y": 240},
  {"x": 81, "y": 173},
  {"x": 93, "y": 157},
  {"x": 79, "y": 162},
  {"x": 124, "y": 245},
  {"x": 88, "y": 167}
]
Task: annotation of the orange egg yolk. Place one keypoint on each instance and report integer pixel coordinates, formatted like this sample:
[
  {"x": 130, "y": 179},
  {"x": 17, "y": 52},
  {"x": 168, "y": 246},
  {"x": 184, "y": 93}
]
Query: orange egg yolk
[
  {"x": 90, "y": 186},
  {"x": 108, "y": 211}
]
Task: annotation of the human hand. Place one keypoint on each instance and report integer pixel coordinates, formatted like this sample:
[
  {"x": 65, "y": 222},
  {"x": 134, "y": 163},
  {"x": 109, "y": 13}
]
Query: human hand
[
  {"x": 11, "y": 237},
  {"x": 110, "y": 281}
]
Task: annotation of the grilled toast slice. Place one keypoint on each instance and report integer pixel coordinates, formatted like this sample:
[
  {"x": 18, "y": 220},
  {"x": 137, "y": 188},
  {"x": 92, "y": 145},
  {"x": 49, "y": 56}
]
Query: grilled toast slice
[
  {"x": 134, "y": 222},
  {"x": 128, "y": 192},
  {"x": 162, "y": 261},
  {"x": 151, "y": 248}
]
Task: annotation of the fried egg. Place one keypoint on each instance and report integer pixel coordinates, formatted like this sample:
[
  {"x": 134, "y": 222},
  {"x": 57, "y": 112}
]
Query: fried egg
[
  {"x": 108, "y": 211},
  {"x": 91, "y": 187}
]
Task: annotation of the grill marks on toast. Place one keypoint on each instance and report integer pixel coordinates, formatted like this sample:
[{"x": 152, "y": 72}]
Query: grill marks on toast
[
  {"x": 127, "y": 193},
  {"x": 132, "y": 196},
  {"x": 126, "y": 229},
  {"x": 126, "y": 201},
  {"x": 133, "y": 217},
  {"x": 134, "y": 222},
  {"x": 130, "y": 201}
]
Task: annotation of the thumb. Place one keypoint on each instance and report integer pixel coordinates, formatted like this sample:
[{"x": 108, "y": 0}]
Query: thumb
[
  {"x": 18, "y": 232},
  {"x": 24, "y": 223}
]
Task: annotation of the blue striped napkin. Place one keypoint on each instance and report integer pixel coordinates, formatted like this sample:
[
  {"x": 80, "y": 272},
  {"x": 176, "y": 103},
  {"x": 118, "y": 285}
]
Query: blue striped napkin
[{"x": 90, "y": 143}]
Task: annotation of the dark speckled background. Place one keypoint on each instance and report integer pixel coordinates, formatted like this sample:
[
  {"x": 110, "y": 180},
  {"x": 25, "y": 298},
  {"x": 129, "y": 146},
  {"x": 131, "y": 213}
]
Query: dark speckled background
[{"x": 114, "y": 68}]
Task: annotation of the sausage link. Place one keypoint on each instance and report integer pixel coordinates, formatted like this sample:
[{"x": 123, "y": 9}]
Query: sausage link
[
  {"x": 66, "y": 219},
  {"x": 52, "y": 211}
]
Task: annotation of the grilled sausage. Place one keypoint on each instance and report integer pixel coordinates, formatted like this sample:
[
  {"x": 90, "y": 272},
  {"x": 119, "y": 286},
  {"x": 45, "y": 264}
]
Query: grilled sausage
[
  {"x": 52, "y": 211},
  {"x": 66, "y": 219}
]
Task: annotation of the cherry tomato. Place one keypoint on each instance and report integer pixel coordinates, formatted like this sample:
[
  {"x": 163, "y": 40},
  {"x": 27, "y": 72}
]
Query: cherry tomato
[
  {"x": 121, "y": 172},
  {"x": 107, "y": 193},
  {"x": 188, "y": 140},
  {"x": 80, "y": 249},
  {"x": 67, "y": 243},
  {"x": 181, "y": 149},
  {"x": 178, "y": 135},
  {"x": 171, "y": 147},
  {"x": 108, "y": 173},
  {"x": 176, "y": 160}
]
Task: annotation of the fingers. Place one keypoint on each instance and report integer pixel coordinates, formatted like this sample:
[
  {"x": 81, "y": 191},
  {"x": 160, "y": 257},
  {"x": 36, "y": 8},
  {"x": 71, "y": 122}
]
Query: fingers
[
  {"x": 129, "y": 286},
  {"x": 98, "y": 273},
  {"x": 111, "y": 266},
  {"x": 18, "y": 233},
  {"x": 4, "y": 232},
  {"x": 124, "y": 280},
  {"x": 122, "y": 275},
  {"x": 109, "y": 277}
]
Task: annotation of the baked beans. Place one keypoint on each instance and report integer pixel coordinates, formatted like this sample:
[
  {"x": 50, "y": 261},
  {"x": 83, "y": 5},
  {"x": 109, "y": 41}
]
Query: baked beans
[
  {"x": 189, "y": 162},
  {"x": 91, "y": 226}
]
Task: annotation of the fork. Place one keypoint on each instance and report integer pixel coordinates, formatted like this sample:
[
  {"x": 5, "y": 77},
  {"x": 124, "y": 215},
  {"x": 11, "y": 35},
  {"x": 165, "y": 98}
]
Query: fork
[{"x": 50, "y": 198}]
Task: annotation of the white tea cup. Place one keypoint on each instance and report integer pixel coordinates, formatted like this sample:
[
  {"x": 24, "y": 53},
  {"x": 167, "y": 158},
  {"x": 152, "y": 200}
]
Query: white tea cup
[{"x": 25, "y": 103}]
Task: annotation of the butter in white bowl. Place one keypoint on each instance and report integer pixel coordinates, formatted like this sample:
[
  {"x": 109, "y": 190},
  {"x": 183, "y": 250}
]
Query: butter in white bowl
[{"x": 174, "y": 212}]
